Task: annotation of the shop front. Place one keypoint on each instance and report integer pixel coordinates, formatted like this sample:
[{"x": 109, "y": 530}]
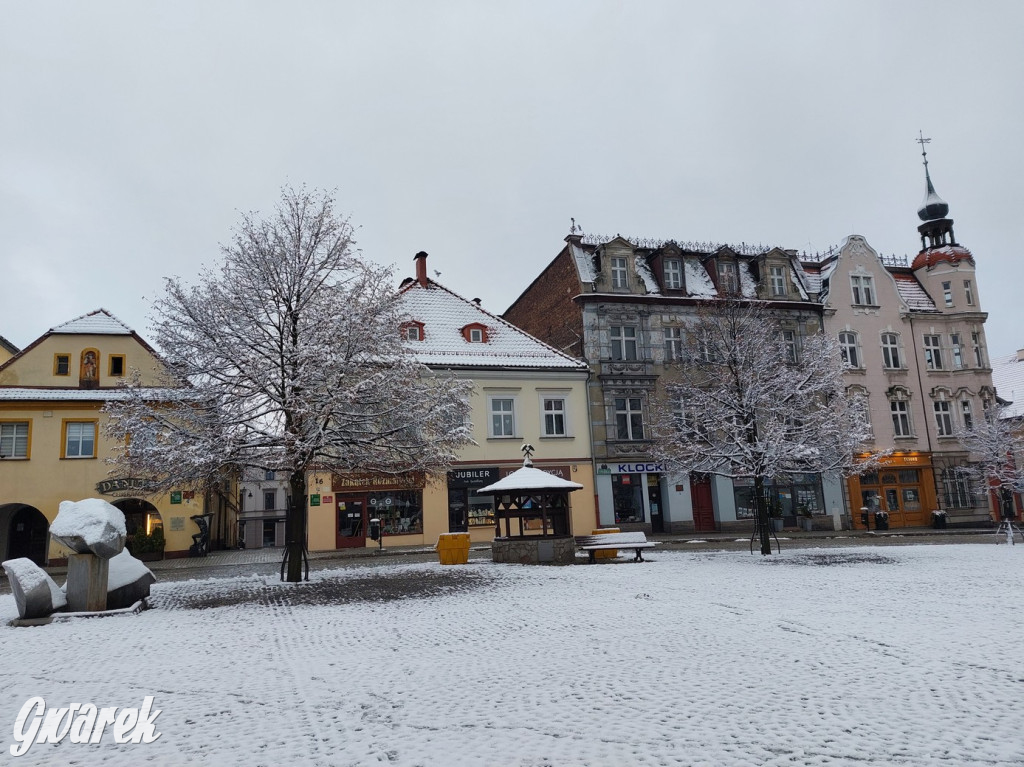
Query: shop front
[
  {"x": 789, "y": 497},
  {"x": 396, "y": 501},
  {"x": 903, "y": 487},
  {"x": 636, "y": 494}
]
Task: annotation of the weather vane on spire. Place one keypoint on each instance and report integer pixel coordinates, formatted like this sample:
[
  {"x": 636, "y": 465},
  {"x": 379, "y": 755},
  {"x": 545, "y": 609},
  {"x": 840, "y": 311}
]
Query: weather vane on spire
[{"x": 922, "y": 141}]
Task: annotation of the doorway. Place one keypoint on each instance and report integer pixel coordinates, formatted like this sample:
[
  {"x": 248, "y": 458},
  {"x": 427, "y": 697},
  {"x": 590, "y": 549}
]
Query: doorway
[
  {"x": 27, "y": 535},
  {"x": 654, "y": 500},
  {"x": 703, "y": 508},
  {"x": 351, "y": 522}
]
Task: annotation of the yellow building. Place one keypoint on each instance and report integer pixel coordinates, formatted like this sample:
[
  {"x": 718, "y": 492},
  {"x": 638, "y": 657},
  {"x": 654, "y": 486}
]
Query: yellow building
[
  {"x": 525, "y": 392},
  {"x": 53, "y": 449}
]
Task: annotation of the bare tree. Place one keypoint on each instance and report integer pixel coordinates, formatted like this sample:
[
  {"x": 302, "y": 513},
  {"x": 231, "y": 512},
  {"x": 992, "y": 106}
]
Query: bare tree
[
  {"x": 996, "y": 447},
  {"x": 287, "y": 358},
  {"x": 746, "y": 401}
]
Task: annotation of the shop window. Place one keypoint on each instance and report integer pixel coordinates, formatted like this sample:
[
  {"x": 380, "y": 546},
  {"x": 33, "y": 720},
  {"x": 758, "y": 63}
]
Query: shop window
[
  {"x": 628, "y": 499},
  {"x": 400, "y": 511}
]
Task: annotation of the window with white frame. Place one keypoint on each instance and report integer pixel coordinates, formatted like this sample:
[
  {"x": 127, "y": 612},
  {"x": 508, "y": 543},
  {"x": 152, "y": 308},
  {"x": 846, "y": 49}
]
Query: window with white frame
[
  {"x": 80, "y": 439},
  {"x": 673, "y": 273},
  {"x": 943, "y": 418},
  {"x": 863, "y": 289},
  {"x": 848, "y": 348},
  {"x": 673, "y": 344},
  {"x": 956, "y": 348},
  {"x": 618, "y": 272},
  {"x": 554, "y": 416},
  {"x": 891, "y": 351},
  {"x": 788, "y": 338},
  {"x": 967, "y": 413},
  {"x": 933, "y": 352},
  {"x": 727, "y": 276},
  {"x": 476, "y": 335},
  {"x": 969, "y": 292},
  {"x": 14, "y": 439},
  {"x": 899, "y": 408},
  {"x": 956, "y": 489},
  {"x": 623, "y": 342},
  {"x": 777, "y": 277},
  {"x": 979, "y": 351},
  {"x": 412, "y": 333},
  {"x": 947, "y": 293},
  {"x": 503, "y": 416},
  {"x": 629, "y": 420}
]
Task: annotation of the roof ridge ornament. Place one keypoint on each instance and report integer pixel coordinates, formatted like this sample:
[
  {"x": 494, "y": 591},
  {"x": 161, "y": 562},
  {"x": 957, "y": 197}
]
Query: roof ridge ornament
[{"x": 527, "y": 450}]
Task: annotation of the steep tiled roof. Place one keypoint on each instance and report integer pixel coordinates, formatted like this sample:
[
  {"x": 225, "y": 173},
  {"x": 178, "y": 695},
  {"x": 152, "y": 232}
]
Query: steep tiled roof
[
  {"x": 1008, "y": 378},
  {"x": 910, "y": 290},
  {"x": 99, "y": 322},
  {"x": 444, "y": 314}
]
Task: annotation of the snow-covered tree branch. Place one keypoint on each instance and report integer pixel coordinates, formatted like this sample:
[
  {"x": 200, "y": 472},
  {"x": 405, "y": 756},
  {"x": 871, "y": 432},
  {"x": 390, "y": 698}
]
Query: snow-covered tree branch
[
  {"x": 286, "y": 358},
  {"x": 996, "y": 447},
  {"x": 748, "y": 401}
]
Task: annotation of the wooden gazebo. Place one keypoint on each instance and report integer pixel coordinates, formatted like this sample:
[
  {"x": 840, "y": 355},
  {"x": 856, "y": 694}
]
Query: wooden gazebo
[{"x": 529, "y": 495}]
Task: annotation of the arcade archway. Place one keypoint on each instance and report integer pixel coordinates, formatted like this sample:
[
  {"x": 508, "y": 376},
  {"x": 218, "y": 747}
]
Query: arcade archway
[
  {"x": 141, "y": 521},
  {"x": 24, "y": 532}
]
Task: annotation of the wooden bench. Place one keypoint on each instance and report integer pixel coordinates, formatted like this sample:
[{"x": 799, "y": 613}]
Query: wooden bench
[{"x": 636, "y": 542}]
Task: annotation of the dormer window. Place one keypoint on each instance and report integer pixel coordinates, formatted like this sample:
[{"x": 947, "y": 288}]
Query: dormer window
[
  {"x": 475, "y": 333},
  {"x": 618, "y": 272},
  {"x": 777, "y": 277},
  {"x": 412, "y": 331},
  {"x": 673, "y": 274},
  {"x": 727, "y": 277}
]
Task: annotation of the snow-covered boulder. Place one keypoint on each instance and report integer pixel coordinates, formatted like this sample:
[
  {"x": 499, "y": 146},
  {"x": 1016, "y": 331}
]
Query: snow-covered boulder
[
  {"x": 128, "y": 581},
  {"x": 34, "y": 591},
  {"x": 90, "y": 526}
]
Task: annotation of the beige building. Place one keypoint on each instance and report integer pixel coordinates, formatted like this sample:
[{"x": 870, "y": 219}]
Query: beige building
[
  {"x": 525, "y": 392},
  {"x": 53, "y": 447},
  {"x": 913, "y": 339}
]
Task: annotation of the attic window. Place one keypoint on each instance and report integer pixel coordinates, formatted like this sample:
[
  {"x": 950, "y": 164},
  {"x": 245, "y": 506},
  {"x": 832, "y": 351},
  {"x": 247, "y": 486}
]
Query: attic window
[
  {"x": 412, "y": 331},
  {"x": 475, "y": 333}
]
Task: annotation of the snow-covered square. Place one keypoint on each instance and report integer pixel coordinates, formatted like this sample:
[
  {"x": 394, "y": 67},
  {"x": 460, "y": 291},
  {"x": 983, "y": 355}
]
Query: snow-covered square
[{"x": 851, "y": 656}]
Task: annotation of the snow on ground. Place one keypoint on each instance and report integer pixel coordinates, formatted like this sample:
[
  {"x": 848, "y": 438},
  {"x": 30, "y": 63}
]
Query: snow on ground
[{"x": 859, "y": 656}]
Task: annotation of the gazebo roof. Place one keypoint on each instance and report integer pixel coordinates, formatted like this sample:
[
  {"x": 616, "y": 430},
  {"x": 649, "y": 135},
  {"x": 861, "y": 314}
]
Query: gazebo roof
[{"x": 529, "y": 478}]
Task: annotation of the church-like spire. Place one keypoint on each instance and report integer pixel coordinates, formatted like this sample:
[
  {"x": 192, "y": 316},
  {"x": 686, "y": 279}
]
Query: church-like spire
[{"x": 933, "y": 207}]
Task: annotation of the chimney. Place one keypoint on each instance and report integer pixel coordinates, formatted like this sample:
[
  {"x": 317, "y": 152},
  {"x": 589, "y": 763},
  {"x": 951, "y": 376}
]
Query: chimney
[
  {"x": 421, "y": 268},
  {"x": 1020, "y": 355},
  {"x": 476, "y": 301}
]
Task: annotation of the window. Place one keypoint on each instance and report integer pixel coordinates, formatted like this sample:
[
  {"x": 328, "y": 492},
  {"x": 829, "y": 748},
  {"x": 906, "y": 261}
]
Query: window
[
  {"x": 861, "y": 406},
  {"x": 269, "y": 500},
  {"x": 943, "y": 419},
  {"x": 863, "y": 290},
  {"x": 673, "y": 274},
  {"x": 933, "y": 352},
  {"x": 891, "y": 351},
  {"x": 268, "y": 475},
  {"x": 727, "y": 277},
  {"x": 947, "y": 293},
  {"x": 788, "y": 338},
  {"x": 848, "y": 348},
  {"x": 61, "y": 364},
  {"x": 979, "y": 352},
  {"x": 956, "y": 489},
  {"x": 79, "y": 439},
  {"x": 412, "y": 331},
  {"x": 476, "y": 335},
  {"x": 619, "y": 273},
  {"x": 900, "y": 418},
  {"x": 967, "y": 413},
  {"x": 623, "y": 343},
  {"x": 116, "y": 365},
  {"x": 969, "y": 292},
  {"x": 778, "y": 280},
  {"x": 554, "y": 416},
  {"x": 629, "y": 421},
  {"x": 957, "y": 350},
  {"x": 14, "y": 439},
  {"x": 503, "y": 417},
  {"x": 673, "y": 344}
]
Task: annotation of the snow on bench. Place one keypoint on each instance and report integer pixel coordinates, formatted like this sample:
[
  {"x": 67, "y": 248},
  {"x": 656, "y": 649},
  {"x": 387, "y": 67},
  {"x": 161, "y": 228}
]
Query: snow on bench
[{"x": 637, "y": 542}]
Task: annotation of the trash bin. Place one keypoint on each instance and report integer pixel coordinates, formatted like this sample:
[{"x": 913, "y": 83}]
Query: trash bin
[
  {"x": 939, "y": 520},
  {"x": 606, "y": 553},
  {"x": 453, "y": 548},
  {"x": 881, "y": 520}
]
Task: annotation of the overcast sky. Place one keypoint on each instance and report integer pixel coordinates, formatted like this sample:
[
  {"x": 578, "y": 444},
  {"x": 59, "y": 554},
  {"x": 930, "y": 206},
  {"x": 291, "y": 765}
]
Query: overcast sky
[{"x": 133, "y": 133}]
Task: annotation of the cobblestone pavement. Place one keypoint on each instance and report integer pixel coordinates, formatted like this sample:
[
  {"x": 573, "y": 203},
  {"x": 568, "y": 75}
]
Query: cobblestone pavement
[{"x": 227, "y": 564}]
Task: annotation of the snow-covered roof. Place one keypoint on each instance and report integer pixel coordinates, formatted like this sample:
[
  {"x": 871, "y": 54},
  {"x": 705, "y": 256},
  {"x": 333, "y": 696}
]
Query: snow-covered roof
[
  {"x": 912, "y": 293},
  {"x": 748, "y": 285},
  {"x": 1008, "y": 378},
  {"x": 584, "y": 263},
  {"x": 99, "y": 322},
  {"x": 444, "y": 314},
  {"x": 698, "y": 281},
  {"x": 646, "y": 275},
  {"x": 529, "y": 478},
  {"x": 27, "y": 394}
]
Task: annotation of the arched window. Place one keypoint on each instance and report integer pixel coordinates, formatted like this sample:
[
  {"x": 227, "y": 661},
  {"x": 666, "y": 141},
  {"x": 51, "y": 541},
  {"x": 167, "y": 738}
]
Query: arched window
[{"x": 848, "y": 348}]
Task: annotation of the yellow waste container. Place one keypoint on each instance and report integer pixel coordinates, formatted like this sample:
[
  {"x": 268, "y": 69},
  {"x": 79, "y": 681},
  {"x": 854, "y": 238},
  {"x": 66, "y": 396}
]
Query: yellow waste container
[
  {"x": 453, "y": 548},
  {"x": 609, "y": 553}
]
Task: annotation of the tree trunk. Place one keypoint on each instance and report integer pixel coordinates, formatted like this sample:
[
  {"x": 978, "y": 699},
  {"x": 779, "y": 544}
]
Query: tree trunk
[
  {"x": 763, "y": 520},
  {"x": 295, "y": 528}
]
